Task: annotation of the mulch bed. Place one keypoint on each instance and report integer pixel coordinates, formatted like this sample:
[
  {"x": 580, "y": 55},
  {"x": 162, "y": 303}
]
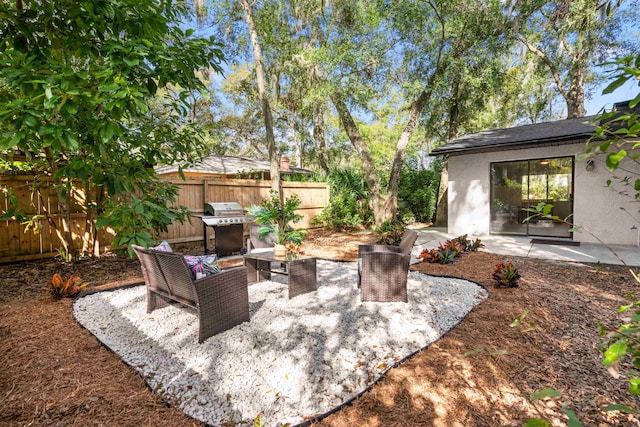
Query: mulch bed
[{"x": 481, "y": 373}]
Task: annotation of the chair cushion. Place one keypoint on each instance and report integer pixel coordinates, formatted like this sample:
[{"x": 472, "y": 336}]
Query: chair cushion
[
  {"x": 163, "y": 247},
  {"x": 205, "y": 264}
]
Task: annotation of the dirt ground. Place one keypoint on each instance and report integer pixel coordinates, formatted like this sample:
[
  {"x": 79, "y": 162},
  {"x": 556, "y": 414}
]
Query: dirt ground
[{"x": 481, "y": 373}]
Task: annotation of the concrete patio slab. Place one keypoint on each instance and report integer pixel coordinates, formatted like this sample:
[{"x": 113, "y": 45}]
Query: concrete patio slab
[{"x": 431, "y": 237}]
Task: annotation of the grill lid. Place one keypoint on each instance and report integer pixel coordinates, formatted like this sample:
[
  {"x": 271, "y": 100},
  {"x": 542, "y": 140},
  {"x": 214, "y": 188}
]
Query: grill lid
[{"x": 223, "y": 209}]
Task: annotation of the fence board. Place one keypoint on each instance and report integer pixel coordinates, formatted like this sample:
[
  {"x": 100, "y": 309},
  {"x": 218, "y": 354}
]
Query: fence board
[{"x": 16, "y": 245}]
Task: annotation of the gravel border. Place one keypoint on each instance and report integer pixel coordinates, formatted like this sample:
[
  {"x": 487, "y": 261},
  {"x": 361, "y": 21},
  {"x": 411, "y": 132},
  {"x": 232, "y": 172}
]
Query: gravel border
[{"x": 295, "y": 360}]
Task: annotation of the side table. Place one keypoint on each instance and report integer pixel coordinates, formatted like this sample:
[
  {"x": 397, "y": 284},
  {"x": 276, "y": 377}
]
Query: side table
[{"x": 300, "y": 271}]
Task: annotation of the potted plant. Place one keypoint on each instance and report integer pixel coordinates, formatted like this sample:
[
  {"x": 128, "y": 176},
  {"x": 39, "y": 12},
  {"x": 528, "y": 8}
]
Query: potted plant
[{"x": 276, "y": 217}]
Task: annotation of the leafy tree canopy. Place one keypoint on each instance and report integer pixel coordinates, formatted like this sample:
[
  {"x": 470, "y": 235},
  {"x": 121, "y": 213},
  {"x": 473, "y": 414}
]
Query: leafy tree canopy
[{"x": 77, "y": 80}]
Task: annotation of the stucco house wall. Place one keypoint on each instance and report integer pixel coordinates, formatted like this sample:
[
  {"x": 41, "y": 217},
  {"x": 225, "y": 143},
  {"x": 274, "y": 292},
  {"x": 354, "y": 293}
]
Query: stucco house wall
[{"x": 596, "y": 208}]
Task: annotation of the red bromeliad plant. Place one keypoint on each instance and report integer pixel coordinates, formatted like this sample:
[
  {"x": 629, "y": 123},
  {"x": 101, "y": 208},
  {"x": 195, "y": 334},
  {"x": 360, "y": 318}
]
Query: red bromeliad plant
[
  {"x": 60, "y": 288},
  {"x": 447, "y": 252},
  {"x": 506, "y": 276}
]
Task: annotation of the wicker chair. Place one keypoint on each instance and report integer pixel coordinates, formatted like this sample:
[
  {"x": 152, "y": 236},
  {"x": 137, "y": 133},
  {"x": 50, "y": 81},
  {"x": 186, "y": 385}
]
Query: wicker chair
[
  {"x": 221, "y": 299},
  {"x": 383, "y": 270}
]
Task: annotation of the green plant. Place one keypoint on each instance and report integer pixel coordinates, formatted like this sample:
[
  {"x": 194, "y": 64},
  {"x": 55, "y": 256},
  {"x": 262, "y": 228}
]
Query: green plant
[
  {"x": 63, "y": 254},
  {"x": 276, "y": 217},
  {"x": 60, "y": 288},
  {"x": 506, "y": 276},
  {"x": 390, "y": 233},
  {"x": 349, "y": 205},
  {"x": 624, "y": 342},
  {"x": 447, "y": 254},
  {"x": 443, "y": 254},
  {"x": 468, "y": 245},
  {"x": 418, "y": 192}
]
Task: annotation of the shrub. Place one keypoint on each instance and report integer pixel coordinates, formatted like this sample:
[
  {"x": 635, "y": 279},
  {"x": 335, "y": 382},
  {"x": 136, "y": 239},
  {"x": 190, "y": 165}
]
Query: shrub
[
  {"x": 506, "y": 276},
  {"x": 390, "y": 233},
  {"x": 467, "y": 244},
  {"x": 348, "y": 201},
  {"x": 277, "y": 217},
  {"x": 418, "y": 191},
  {"x": 60, "y": 288},
  {"x": 444, "y": 254},
  {"x": 447, "y": 252}
]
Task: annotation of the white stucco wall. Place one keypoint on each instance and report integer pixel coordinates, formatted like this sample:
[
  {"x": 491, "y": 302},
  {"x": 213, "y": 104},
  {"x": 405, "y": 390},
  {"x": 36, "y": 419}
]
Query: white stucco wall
[{"x": 596, "y": 207}]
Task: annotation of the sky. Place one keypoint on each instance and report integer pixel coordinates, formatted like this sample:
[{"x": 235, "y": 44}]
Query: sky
[{"x": 624, "y": 93}]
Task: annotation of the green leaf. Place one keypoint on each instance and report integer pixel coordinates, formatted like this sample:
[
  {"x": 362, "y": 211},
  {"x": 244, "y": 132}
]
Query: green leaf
[
  {"x": 71, "y": 140},
  {"x": 634, "y": 385},
  {"x": 544, "y": 393},
  {"x": 473, "y": 352},
  {"x": 615, "y": 85},
  {"x": 131, "y": 62},
  {"x": 624, "y": 308},
  {"x": 614, "y": 159},
  {"x": 106, "y": 133},
  {"x": 109, "y": 87},
  {"x": 621, "y": 408},
  {"x": 573, "y": 418},
  {"x": 30, "y": 121},
  {"x": 614, "y": 353}
]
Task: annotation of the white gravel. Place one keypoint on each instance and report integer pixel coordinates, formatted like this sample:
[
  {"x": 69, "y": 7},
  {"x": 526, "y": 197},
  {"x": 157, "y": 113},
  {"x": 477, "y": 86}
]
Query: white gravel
[{"x": 294, "y": 360}]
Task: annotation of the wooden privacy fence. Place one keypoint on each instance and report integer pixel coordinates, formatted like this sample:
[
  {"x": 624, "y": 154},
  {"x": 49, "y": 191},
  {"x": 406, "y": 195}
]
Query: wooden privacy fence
[
  {"x": 18, "y": 244},
  {"x": 314, "y": 197},
  {"x": 37, "y": 199}
]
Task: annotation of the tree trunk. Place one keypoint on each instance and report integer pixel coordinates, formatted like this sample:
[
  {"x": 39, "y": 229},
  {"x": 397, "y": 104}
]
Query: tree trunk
[
  {"x": 454, "y": 109},
  {"x": 443, "y": 203},
  {"x": 89, "y": 218},
  {"x": 66, "y": 237},
  {"x": 370, "y": 175},
  {"x": 575, "y": 94},
  {"x": 100, "y": 195},
  {"x": 391, "y": 202},
  {"x": 274, "y": 159},
  {"x": 319, "y": 136},
  {"x": 297, "y": 141}
]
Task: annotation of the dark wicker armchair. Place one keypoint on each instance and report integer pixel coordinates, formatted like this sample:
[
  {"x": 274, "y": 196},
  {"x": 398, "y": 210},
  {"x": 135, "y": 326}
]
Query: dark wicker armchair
[
  {"x": 221, "y": 299},
  {"x": 383, "y": 270}
]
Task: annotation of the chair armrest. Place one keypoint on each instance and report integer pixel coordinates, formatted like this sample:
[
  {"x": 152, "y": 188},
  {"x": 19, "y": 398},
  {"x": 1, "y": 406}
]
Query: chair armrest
[
  {"x": 223, "y": 301},
  {"x": 362, "y": 249},
  {"x": 220, "y": 289}
]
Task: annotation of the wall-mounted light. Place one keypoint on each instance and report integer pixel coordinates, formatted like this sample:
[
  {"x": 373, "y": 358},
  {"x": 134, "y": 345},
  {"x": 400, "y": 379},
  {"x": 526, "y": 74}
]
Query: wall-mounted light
[
  {"x": 544, "y": 162},
  {"x": 590, "y": 165}
]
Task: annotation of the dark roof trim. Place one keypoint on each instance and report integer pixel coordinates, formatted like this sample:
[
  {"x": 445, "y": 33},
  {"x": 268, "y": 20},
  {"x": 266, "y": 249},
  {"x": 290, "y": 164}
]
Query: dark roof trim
[{"x": 519, "y": 137}]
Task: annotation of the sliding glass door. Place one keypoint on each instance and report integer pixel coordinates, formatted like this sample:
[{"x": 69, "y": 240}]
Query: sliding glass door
[{"x": 517, "y": 186}]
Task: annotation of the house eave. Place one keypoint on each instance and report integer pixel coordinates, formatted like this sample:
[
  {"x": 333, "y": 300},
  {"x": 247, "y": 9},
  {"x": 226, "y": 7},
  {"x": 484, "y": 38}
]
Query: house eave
[{"x": 546, "y": 142}]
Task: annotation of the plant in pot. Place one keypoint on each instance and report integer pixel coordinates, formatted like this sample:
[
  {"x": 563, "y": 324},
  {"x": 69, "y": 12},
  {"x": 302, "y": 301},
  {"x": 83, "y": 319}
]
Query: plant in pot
[{"x": 277, "y": 217}]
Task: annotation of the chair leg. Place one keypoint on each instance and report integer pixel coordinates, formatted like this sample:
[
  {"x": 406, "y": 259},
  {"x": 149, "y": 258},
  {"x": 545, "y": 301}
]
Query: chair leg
[{"x": 155, "y": 301}]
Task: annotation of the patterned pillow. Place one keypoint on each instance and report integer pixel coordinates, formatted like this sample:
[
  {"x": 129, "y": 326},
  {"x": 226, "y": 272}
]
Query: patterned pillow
[
  {"x": 163, "y": 247},
  {"x": 204, "y": 265}
]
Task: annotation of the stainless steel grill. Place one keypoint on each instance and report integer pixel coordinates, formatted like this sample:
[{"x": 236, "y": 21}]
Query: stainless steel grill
[
  {"x": 225, "y": 213},
  {"x": 226, "y": 219}
]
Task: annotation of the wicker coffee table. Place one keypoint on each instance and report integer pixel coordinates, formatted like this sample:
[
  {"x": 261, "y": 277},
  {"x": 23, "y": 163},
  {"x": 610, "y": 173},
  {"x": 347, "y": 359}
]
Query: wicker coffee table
[{"x": 300, "y": 271}]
